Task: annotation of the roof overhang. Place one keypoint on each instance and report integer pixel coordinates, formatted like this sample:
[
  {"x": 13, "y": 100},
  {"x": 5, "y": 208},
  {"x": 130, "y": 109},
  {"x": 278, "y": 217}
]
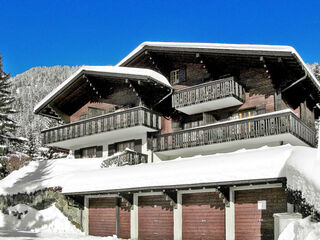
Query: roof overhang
[
  {"x": 225, "y": 49},
  {"x": 119, "y": 73}
]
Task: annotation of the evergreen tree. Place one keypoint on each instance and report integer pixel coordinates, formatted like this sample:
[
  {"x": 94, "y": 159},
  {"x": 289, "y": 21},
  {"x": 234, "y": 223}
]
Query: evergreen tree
[
  {"x": 7, "y": 125},
  {"x": 316, "y": 71}
]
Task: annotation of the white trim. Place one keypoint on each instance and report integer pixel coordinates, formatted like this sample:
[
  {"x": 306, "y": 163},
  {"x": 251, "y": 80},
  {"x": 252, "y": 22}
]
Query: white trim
[
  {"x": 177, "y": 218},
  {"x": 198, "y": 191},
  {"x": 142, "y": 194},
  {"x": 134, "y": 218},
  {"x": 260, "y": 186},
  {"x": 103, "y": 196}
]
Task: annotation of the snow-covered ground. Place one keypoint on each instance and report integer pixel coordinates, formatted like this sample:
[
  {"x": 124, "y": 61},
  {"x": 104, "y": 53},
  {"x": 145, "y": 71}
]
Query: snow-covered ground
[
  {"x": 24, "y": 222},
  {"x": 302, "y": 229}
]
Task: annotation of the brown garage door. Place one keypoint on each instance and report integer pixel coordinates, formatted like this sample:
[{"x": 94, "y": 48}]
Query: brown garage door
[
  {"x": 155, "y": 218},
  {"x": 102, "y": 216},
  {"x": 255, "y": 224},
  {"x": 124, "y": 221},
  {"x": 203, "y": 217}
]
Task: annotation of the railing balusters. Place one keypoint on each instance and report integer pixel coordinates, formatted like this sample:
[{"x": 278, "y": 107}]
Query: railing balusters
[
  {"x": 258, "y": 126},
  {"x": 127, "y": 118},
  {"x": 207, "y": 92}
]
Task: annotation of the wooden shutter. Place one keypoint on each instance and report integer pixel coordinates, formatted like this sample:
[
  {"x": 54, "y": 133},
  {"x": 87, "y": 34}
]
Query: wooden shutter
[
  {"x": 138, "y": 145},
  {"x": 261, "y": 109},
  {"x": 99, "y": 151},
  {"x": 77, "y": 153},
  {"x": 111, "y": 149},
  {"x": 182, "y": 74}
]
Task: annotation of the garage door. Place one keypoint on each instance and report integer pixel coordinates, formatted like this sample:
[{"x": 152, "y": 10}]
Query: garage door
[
  {"x": 102, "y": 216},
  {"x": 124, "y": 221},
  {"x": 253, "y": 223},
  {"x": 155, "y": 218},
  {"x": 203, "y": 217}
]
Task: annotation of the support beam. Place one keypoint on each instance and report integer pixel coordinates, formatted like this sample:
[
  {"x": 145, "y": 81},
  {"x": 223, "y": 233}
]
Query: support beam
[
  {"x": 118, "y": 203},
  {"x": 230, "y": 217},
  {"x": 171, "y": 196},
  {"x": 277, "y": 100},
  {"x": 127, "y": 198},
  {"x": 64, "y": 117},
  {"x": 134, "y": 224},
  {"x": 177, "y": 218},
  {"x": 85, "y": 216}
]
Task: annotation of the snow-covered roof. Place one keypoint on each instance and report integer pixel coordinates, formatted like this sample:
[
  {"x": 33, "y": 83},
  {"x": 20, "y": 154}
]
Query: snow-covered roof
[
  {"x": 83, "y": 176},
  {"x": 232, "y": 48},
  {"x": 111, "y": 71}
]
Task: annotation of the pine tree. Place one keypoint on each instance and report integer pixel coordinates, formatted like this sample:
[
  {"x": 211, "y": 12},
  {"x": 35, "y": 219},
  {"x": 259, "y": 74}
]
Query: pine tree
[{"x": 7, "y": 125}]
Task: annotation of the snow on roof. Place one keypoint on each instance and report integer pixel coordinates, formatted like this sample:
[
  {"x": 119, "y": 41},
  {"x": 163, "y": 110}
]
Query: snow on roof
[
  {"x": 298, "y": 164},
  {"x": 127, "y": 72},
  {"x": 222, "y": 46}
]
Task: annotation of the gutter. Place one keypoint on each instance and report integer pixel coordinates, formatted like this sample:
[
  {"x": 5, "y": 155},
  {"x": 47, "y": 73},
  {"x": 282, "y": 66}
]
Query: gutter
[{"x": 297, "y": 81}]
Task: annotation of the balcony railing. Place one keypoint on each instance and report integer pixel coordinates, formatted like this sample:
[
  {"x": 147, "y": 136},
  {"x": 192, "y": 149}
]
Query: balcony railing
[
  {"x": 127, "y": 157},
  {"x": 209, "y": 91},
  {"x": 138, "y": 116},
  {"x": 253, "y": 127}
]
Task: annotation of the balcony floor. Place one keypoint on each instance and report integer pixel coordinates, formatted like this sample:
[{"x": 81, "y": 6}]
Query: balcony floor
[
  {"x": 117, "y": 135},
  {"x": 224, "y": 147},
  {"x": 211, "y": 105}
]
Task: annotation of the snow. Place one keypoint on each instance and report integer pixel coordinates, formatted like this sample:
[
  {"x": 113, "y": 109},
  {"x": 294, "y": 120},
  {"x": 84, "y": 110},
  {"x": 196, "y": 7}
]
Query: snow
[
  {"x": 221, "y": 46},
  {"x": 49, "y": 223},
  {"x": 302, "y": 229},
  {"x": 126, "y": 72},
  {"x": 302, "y": 171},
  {"x": 298, "y": 164}
]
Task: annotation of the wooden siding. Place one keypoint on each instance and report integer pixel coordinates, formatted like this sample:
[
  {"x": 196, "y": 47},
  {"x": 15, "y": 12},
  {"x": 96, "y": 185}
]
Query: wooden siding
[
  {"x": 252, "y": 223},
  {"x": 84, "y": 110},
  {"x": 124, "y": 221},
  {"x": 203, "y": 217},
  {"x": 155, "y": 218},
  {"x": 102, "y": 216}
]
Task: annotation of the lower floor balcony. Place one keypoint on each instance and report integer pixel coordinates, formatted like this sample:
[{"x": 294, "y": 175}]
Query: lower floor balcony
[
  {"x": 122, "y": 124},
  {"x": 127, "y": 157},
  {"x": 266, "y": 129}
]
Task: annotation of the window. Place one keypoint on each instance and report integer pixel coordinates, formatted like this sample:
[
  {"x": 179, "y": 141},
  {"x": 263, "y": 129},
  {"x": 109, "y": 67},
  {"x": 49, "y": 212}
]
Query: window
[
  {"x": 123, "y": 145},
  {"x": 244, "y": 114},
  {"x": 93, "y": 112},
  {"x": 89, "y": 152},
  {"x": 174, "y": 76},
  {"x": 83, "y": 116}
]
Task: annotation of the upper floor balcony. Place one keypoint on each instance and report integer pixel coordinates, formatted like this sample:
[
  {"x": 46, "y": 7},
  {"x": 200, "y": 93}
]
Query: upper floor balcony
[
  {"x": 125, "y": 123},
  {"x": 266, "y": 129},
  {"x": 209, "y": 96},
  {"x": 127, "y": 157}
]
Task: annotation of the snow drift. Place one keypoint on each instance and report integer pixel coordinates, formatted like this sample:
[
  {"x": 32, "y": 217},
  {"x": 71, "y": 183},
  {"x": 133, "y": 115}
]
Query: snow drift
[{"x": 302, "y": 229}]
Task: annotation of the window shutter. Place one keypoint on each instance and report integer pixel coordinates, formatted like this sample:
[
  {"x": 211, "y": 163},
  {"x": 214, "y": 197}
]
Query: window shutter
[
  {"x": 261, "y": 109},
  {"x": 111, "y": 149},
  {"x": 138, "y": 145},
  {"x": 99, "y": 151},
  {"x": 182, "y": 74},
  {"x": 77, "y": 153}
]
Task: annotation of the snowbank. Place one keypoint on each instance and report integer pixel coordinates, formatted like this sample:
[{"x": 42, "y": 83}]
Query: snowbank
[
  {"x": 24, "y": 221},
  {"x": 45, "y": 174},
  {"x": 302, "y": 172},
  {"x": 302, "y": 229},
  {"x": 49, "y": 220}
]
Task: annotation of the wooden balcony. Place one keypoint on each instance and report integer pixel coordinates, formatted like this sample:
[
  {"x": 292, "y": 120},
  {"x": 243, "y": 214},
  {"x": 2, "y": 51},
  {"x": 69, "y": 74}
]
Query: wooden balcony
[
  {"x": 278, "y": 126},
  {"x": 102, "y": 125},
  {"x": 127, "y": 157},
  {"x": 209, "y": 96}
]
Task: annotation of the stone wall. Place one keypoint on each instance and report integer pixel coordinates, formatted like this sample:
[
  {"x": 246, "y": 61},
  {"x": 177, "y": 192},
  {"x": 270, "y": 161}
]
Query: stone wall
[{"x": 42, "y": 199}]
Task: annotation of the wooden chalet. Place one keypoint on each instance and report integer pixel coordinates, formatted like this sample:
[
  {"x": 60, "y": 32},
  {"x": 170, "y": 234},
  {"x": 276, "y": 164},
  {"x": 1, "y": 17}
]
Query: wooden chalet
[{"x": 169, "y": 100}]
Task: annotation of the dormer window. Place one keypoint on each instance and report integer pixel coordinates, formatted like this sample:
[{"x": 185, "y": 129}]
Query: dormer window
[{"x": 174, "y": 76}]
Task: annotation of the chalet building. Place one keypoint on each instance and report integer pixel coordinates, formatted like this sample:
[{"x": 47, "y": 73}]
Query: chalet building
[{"x": 180, "y": 100}]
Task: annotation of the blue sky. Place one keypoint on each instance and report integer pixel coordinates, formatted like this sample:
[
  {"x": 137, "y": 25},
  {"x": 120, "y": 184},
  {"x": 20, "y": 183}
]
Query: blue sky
[{"x": 47, "y": 33}]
